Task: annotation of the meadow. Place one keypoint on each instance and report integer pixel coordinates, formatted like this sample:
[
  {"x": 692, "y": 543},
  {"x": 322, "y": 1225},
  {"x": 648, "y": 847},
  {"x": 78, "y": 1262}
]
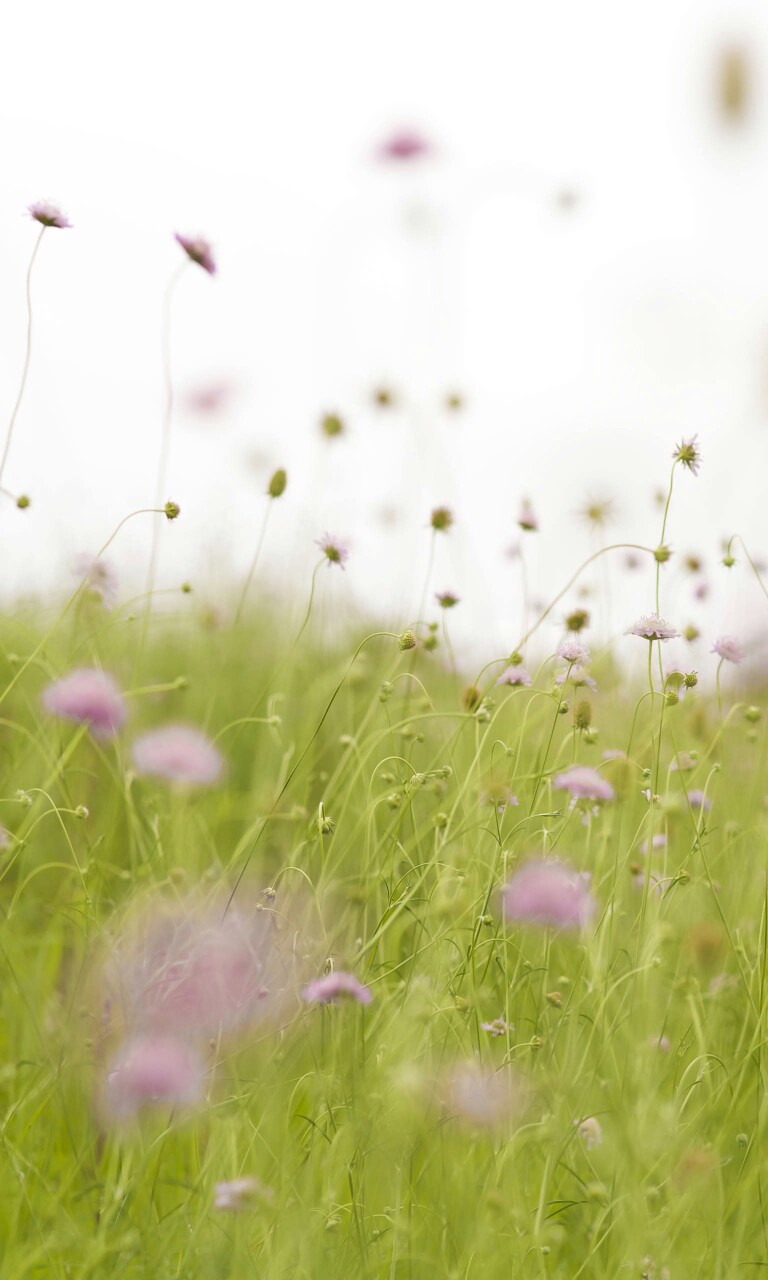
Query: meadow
[{"x": 324, "y": 957}]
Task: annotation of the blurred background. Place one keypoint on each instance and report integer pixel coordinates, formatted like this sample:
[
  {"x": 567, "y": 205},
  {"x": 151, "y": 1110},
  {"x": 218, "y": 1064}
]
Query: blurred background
[{"x": 519, "y": 250}]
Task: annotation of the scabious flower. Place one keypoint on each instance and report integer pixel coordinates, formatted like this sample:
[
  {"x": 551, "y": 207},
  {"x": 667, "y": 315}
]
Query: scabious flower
[
  {"x": 333, "y": 550},
  {"x": 48, "y": 215},
  {"x": 88, "y": 696},
  {"x": 99, "y": 577},
  {"x": 698, "y": 800},
  {"x": 687, "y": 452},
  {"x": 549, "y": 893},
  {"x": 499, "y": 1027},
  {"x": 590, "y": 1131},
  {"x": 527, "y": 518},
  {"x": 178, "y": 753},
  {"x": 482, "y": 1098},
  {"x": 729, "y": 648},
  {"x": 153, "y": 1071},
  {"x": 404, "y": 145},
  {"x": 515, "y": 675},
  {"x": 198, "y": 250},
  {"x": 682, "y": 762},
  {"x": 232, "y": 1197},
  {"x": 584, "y": 783},
  {"x": 578, "y": 676},
  {"x": 446, "y": 599},
  {"x": 572, "y": 650},
  {"x": 328, "y": 989},
  {"x": 652, "y": 627}
]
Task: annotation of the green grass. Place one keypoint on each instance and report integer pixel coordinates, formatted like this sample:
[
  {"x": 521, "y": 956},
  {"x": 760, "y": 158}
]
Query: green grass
[{"x": 344, "y": 1112}]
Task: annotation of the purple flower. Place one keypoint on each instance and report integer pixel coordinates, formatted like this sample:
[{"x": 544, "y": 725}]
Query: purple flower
[
  {"x": 198, "y": 250},
  {"x": 729, "y": 648},
  {"x": 404, "y": 145},
  {"x": 515, "y": 675},
  {"x": 178, "y": 753},
  {"x": 334, "y": 551},
  {"x": 48, "y": 215},
  {"x": 572, "y": 650},
  {"x": 652, "y": 627},
  {"x": 687, "y": 452},
  {"x": 499, "y": 1027},
  {"x": 88, "y": 696},
  {"x": 584, "y": 784},
  {"x": 698, "y": 800},
  {"x": 549, "y": 893},
  {"x": 153, "y": 1071},
  {"x": 484, "y": 1098},
  {"x": 328, "y": 989}
]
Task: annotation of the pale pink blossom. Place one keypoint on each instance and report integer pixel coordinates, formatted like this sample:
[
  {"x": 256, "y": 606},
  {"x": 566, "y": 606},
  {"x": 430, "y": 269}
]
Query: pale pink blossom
[
  {"x": 515, "y": 675},
  {"x": 682, "y": 762},
  {"x": 658, "y": 842},
  {"x": 549, "y": 893},
  {"x": 334, "y": 551},
  {"x": 482, "y": 1098},
  {"x": 153, "y": 1071},
  {"x": 88, "y": 696},
  {"x": 327, "y": 990},
  {"x": 239, "y": 1194},
  {"x": 729, "y": 648},
  {"x": 498, "y": 1027},
  {"x": 527, "y": 518},
  {"x": 590, "y": 1131},
  {"x": 578, "y": 677},
  {"x": 404, "y": 145},
  {"x": 652, "y": 627},
  {"x": 699, "y": 800},
  {"x": 572, "y": 650},
  {"x": 584, "y": 783},
  {"x": 178, "y": 753},
  {"x": 659, "y": 1042},
  {"x": 48, "y": 214},
  {"x": 198, "y": 250}
]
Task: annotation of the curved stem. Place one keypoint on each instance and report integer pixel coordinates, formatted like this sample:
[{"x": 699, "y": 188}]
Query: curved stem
[
  {"x": 254, "y": 562},
  {"x": 165, "y": 437},
  {"x": 27, "y": 355}
]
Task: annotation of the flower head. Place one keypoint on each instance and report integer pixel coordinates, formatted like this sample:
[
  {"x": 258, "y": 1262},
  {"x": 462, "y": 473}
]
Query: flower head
[
  {"x": 527, "y": 518},
  {"x": 687, "y": 452},
  {"x": 328, "y": 989},
  {"x": 447, "y": 600},
  {"x": 441, "y": 519},
  {"x": 578, "y": 676},
  {"x": 499, "y": 1027},
  {"x": 584, "y": 783},
  {"x": 699, "y": 800},
  {"x": 153, "y": 1071},
  {"x": 334, "y": 551},
  {"x": 515, "y": 675},
  {"x": 178, "y": 753},
  {"x": 590, "y": 1131},
  {"x": 652, "y": 627},
  {"x": 729, "y": 648},
  {"x": 198, "y": 250},
  {"x": 483, "y": 1098},
  {"x": 549, "y": 893},
  {"x": 404, "y": 145},
  {"x": 48, "y": 215},
  {"x": 239, "y": 1194},
  {"x": 99, "y": 577},
  {"x": 572, "y": 650},
  {"x": 88, "y": 696}
]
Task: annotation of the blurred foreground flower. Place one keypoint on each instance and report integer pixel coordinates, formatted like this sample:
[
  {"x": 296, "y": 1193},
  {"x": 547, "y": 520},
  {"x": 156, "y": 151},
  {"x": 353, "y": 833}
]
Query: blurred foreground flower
[
  {"x": 584, "y": 783},
  {"x": 232, "y": 1197},
  {"x": 404, "y": 145},
  {"x": 178, "y": 753},
  {"x": 328, "y": 989},
  {"x": 729, "y": 648},
  {"x": 88, "y": 696},
  {"x": 48, "y": 215},
  {"x": 99, "y": 576},
  {"x": 334, "y": 551},
  {"x": 484, "y": 1099},
  {"x": 198, "y": 250},
  {"x": 153, "y": 1072},
  {"x": 549, "y": 893}
]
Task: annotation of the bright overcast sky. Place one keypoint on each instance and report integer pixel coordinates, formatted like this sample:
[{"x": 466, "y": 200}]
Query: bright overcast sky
[{"x": 586, "y": 342}]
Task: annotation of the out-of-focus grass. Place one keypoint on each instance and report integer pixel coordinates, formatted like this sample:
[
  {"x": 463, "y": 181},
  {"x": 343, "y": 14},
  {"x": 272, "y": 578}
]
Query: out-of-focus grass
[{"x": 344, "y": 1111}]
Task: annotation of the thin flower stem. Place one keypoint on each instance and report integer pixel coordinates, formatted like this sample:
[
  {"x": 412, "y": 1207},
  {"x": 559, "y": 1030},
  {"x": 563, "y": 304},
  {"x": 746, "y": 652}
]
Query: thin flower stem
[
  {"x": 27, "y": 356},
  {"x": 663, "y": 531},
  {"x": 254, "y": 562}
]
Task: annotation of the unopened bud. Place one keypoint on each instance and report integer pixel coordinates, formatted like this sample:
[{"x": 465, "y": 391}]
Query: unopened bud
[
  {"x": 407, "y": 641},
  {"x": 172, "y": 510},
  {"x": 277, "y": 484}
]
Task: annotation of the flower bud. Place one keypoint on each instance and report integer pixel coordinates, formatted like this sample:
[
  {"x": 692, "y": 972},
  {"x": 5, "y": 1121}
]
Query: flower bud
[{"x": 277, "y": 484}]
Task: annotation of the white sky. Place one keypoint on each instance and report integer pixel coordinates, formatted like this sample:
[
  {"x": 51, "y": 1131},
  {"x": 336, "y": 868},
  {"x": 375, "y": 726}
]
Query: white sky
[{"x": 586, "y": 343}]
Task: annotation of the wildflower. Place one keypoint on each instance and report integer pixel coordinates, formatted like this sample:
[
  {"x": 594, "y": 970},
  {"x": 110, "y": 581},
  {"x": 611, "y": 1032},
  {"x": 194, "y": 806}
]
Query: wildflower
[
  {"x": 499, "y": 1027},
  {"x": 198, "y": 250},
  {"x": 584, "y": 784},
  {"x": 527, "y": 519},
  {"x": 483, "y": 1098},
  {"x": 598, "y": 512},
  {"x": 573, "y": 651},
  {"x": 682, "y": 762},
  {"x": 446, "y": 599},
  {"x": 152, "y": 1071},
  {"x": 338, "y": 983},
  {"x": 548, "y": 893},
  {"x": 701, "y": 591},
  {"x": 384, "y": 398},
  {"x": 590, "y": 1131},
  {"x": 577, "y": 620},
  {"x": 331, "y": 425},
  {"x": 404, "y": 145},
  {"x": 699, "y": 800},
  {"x": 88, "y": 696},
  {"x": 729, "y": 648},
  {"x": 334, "y": 551},
  {"x": 99, "y": 577},
  {"x": 659, "y": 1042},
  {"x": 48, "y": 215},
  {"x": 691, "y": 633},
  {"x": 657, "y": 842},
  {"x": 231, "y": 1197},
  {"x": 690, "y": 680},
  {"x": 441, "y": 519},
  {"x": 578, "y": 677},
  {"x": 515, "y": 675},
  {"x": 687, "y": 452},
  {"x": 407, "y": 640},
  {"x": 662, "y": 554},
  {"x": 23, "y": 501},
  {"x": 178, "y": 753},
  {"x": 652, "y": 627},
  {"x": 171, "y": 510},
  {"x": 454, "y": 401},
  {"x": 497, "y": 794}
]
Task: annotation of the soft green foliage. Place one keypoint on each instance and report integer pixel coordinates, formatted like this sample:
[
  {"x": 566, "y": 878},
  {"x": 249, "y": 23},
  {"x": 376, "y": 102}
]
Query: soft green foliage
[{"x": 366, "y": 786}]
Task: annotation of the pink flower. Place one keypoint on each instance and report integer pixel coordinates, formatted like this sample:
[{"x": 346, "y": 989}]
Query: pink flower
[
  {"x": 483, "y": 1098},
  {"x": 239, "y": 1194},
  {"x": 584, "y": 784},
  {"x": 327, "y": 990},
  {"x": 99, "y": 576},
  {"x": 659, "y": 1042},
  {"x": 333, "y": 550},
  {"x": 198, "y": 250},
  {"x": 729, "y": 648},
  {"x": 499, "y": 1027},
  {"x": 515, "y": 675},
  {"x": 687, "y": 452},
  {"x": 590, "y": 1131},
  {"x": 698, "y": 800},
  {"x": 88, "y": 696},
  {"x": 549, "y": 893},
  {"x": 151, "y": 1072},
  {"x": 652, "y": 627},
  {"x": 527, "y": 518},
  {"x": 578, "y": 677},
  {"x": 404, "y": 145},
  {"x": 682, "y": 762},
  {"x": 658, "y": 842},
  {"x": 178, "y": 753},
  {"x": 572, "y": 650},
  {"x": 48, "y": 215}
]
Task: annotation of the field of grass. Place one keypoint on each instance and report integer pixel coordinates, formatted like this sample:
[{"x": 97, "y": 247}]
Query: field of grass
[{"x": 608, "y": 1120}]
